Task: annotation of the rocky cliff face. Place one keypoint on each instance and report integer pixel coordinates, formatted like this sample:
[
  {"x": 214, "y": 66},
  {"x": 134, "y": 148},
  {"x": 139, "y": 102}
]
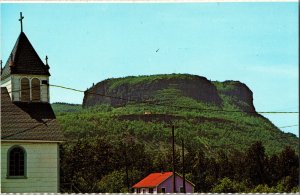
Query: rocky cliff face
[
  {"x": 239, "y": 93},
  {"x": 145, "y": 88}
]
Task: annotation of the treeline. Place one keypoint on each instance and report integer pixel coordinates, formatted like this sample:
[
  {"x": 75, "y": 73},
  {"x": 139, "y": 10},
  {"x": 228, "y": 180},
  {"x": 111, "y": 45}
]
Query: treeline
[
  {"x": 115, "y": 163},
  {"x": 63, "y": 108}
]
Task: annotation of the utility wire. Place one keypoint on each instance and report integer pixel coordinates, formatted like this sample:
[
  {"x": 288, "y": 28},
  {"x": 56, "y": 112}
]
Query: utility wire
[
  {"x": 160, "y": 104},
  {"x": 288, "y": 126},
  {"x": 152, "y": 103},
  {"x": 175, "y": 106},
  {"x": 23, "y": 89}
]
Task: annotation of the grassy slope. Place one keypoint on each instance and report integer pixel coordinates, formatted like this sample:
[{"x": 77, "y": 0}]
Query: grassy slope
[
  {"x": 207, "y": 129},
  {"x": 132, "y": 80}
]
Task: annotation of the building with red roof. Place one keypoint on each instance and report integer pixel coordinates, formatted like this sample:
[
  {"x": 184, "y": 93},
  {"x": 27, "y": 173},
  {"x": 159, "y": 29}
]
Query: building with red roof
[{"x": 162, "y": 183}]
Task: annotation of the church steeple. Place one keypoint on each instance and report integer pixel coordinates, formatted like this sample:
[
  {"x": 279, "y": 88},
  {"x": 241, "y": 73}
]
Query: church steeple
[
  {"x": 25, "y": 69},
  {"x": 24, "y": 60}
]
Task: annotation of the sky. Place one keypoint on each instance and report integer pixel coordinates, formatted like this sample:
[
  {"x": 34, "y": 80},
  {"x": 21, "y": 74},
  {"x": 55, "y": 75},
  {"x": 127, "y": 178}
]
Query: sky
[{"x": 254, "y": 43}]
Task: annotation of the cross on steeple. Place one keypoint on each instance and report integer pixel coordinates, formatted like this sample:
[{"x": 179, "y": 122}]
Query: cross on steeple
[
  {"x": 21, "y": 18},
  {"x": 46, "y": 60}
]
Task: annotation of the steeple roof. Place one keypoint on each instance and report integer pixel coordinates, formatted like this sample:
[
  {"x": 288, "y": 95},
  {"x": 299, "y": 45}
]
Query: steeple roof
[{"x": 24, "y": 60}]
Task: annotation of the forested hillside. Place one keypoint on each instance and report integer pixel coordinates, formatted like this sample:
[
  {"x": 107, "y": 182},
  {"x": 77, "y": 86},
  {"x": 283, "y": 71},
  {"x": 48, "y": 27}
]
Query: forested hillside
[{"x": 119, "y": 138}]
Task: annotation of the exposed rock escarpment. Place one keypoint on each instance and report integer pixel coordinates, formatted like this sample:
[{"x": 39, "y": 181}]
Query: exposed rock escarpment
[
  {"x": 147, "y": 88},
  {"x": 238, "y": 92}
]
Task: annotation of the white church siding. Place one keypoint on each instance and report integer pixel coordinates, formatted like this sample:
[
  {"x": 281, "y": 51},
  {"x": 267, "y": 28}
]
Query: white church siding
[
  {"x": 7, "y": 83},
  {"x": 44, "y": 88},
  {"x": 15, "y": 81},
  {"x": 42, "y": 168},
  {"x": 16, "y": 88}
]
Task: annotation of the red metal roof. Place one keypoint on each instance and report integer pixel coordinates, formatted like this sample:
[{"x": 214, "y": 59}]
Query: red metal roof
[{"x": 152, "y": 180}]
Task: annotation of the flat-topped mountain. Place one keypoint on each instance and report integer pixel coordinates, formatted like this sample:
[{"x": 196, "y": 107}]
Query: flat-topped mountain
[
  {"x": 166, "y": 88},
  {"x": 210, "y": 113}
]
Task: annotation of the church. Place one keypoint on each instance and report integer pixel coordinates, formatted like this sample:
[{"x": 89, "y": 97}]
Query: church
[{"x": 30, "y": 134}]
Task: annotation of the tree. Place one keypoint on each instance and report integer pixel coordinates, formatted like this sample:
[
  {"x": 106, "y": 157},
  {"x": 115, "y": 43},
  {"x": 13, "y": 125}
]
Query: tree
[
  {"x": 114, "y": 182},
  {"x": 288, "y": 165},
  {"x": 225, "y": 186},
  {"x": 237, "y": 161},
  {"x": 197, "y": 167},
  {"x": 285, "y": 185},
  {"x": 86, "y": 161},
  {"x": 226, "y": 169},
  {"x": 273, "y": 170},
  {"x": 255, "y": 163},
  {"x": 263, "y": 188}
]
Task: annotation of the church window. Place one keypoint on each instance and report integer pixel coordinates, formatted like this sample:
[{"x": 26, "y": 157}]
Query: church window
[
  {"x": 35, "y": 89},
  {"x": 25, "y": 90},
  {"x": 16, "y": 161}
]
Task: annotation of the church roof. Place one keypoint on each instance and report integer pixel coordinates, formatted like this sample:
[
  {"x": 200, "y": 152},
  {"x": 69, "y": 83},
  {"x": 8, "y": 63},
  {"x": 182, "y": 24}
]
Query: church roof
[
  {"x": 28, "y": 121},
  {"x": 24, "y": 60}
]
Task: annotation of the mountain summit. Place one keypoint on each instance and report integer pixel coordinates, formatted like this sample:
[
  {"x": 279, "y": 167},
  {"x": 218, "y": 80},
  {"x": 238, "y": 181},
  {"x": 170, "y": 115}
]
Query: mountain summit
[{"x": 170, "y": 88}]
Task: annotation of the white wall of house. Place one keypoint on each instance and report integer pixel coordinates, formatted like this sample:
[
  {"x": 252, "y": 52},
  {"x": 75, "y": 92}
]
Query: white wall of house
[
  {"x": 145, "y": 190},
  {"x": 42, "y": 168},
  {"x": 13, "y": 85}
]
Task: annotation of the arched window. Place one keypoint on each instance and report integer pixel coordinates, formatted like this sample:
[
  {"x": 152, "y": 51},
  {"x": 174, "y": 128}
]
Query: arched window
[
  {"x": 16, "y": 161},
  {"x": 35, "y": 89},
  {"x": 25, "y": 90}
]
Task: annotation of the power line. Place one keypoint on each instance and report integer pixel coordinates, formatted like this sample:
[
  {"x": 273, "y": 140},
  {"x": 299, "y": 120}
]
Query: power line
[
  {"x": 23, "y": 89},
  {"x": 161, "y": 104},
  {"x": 288, "y": 126},
  {"x": 152, "y": 103},
  {"x": 167, "y": 105}
]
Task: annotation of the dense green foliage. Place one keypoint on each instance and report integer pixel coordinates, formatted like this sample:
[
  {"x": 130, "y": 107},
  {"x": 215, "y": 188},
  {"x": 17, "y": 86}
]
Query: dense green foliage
[
  {"x": 235, "y": 131},
  {"x": 110, "y": 149},
  {"x": 114, "y": 164},
  {"x": 62, "y": 108},
  {"x": 103, "y": 141}
]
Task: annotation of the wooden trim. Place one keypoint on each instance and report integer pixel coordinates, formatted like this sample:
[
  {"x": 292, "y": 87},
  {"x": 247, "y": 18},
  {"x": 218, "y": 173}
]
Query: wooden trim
[{"x": 32, "y": 141}]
